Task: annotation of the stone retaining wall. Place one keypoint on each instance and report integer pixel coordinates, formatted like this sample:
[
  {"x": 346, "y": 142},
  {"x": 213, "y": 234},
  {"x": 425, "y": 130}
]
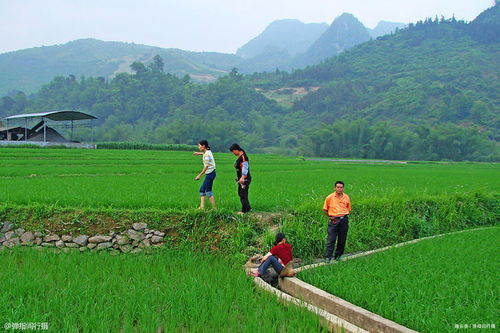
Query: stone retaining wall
[{"x": 133, "y": 240}]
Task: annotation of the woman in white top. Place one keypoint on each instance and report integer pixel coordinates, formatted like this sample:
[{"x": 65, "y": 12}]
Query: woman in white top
[{"x": 208, "y": 171}]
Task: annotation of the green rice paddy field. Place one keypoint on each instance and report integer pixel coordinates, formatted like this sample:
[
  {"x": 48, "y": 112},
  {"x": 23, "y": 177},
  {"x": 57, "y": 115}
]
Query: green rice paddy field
[
  {"x": 430, "y": 286},
  {"x": 165, "y": 180},
  {"x": 91, "y": 190},
  {"x": 176, "y": 290},
  {"x": 167, "y": 291}
]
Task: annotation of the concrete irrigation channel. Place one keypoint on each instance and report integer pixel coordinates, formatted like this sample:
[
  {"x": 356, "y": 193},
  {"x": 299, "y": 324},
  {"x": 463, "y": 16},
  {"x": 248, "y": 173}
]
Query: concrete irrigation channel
[{"x": 338, "y": 314}]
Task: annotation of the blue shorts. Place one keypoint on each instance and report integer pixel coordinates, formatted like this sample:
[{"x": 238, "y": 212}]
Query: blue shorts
[{"x": 206, "y": 187}]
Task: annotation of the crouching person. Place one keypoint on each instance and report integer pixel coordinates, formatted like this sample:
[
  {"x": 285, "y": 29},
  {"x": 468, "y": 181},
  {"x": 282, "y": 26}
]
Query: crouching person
[{"x": 280, "y": 257}]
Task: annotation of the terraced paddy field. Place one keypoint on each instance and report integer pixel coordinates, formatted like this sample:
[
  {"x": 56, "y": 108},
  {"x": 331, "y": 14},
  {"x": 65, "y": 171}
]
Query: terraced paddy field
[{"x": 435, "y": 285}]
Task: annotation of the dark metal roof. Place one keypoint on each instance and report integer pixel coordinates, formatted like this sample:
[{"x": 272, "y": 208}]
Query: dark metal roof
[{"x": 54, "y": 115}]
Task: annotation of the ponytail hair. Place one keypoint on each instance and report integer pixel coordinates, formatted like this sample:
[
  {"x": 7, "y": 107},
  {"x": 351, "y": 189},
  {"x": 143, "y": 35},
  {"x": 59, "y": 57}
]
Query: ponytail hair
[
  {"x": 236, "y": 146},
  {"x": 204, "y": 143}
]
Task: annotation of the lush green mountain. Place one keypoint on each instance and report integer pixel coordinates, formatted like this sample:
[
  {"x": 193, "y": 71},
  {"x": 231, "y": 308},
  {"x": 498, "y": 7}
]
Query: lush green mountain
[
  {"x": 27, "y": 70},
  {"x": 287, "y": 44},
  {"x": 385, "y": 28},
  {"x": 434, "y": 81},
  {"x": 345, "y": 32},
  {"x": 433, "y": 72},
  {"x": 486, "y": 27},
  {"x": 430, "y": 91},
  {"x": 290, "y": 36}
]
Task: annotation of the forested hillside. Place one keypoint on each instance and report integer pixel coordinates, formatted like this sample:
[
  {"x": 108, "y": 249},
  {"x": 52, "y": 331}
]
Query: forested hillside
[
  {"x": 152, "y": 106},
  {"x": 27, "y": 70},
  {"x": 428, "y": 92},
  {"x": 437, "y": 78},
  {"x": 430, "y": 72}
]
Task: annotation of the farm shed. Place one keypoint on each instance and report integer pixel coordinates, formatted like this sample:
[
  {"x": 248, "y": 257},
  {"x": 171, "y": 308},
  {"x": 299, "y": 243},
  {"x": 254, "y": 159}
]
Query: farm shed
[{"x": 41, "y": 133}]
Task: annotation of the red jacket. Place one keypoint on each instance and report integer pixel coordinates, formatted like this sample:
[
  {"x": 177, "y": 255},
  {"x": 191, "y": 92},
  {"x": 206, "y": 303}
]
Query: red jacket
[{"x": 283, "y": 252}]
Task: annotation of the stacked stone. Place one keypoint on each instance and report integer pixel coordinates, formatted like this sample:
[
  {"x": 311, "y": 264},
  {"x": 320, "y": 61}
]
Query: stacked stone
[{"x": 133, "y": 240}]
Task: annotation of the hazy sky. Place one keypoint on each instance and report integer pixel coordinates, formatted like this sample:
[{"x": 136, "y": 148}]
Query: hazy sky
[{"x": 197, "y": 25}]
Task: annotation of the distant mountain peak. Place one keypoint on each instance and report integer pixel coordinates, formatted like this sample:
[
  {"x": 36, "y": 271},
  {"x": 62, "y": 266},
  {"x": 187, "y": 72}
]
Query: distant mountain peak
[
  {"x": 385, "y": 28},
  {"x": 344, "y": 16},
  {"x": 289, "y": 35},
  {"x": 486, "y": 26},
  {"x": 344, "y": 32}
]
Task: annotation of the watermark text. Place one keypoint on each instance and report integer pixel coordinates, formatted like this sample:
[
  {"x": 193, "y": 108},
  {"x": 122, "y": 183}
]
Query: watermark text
[
  {"x": 25, "y": 326},
  {"x": 474, "y": 326}
]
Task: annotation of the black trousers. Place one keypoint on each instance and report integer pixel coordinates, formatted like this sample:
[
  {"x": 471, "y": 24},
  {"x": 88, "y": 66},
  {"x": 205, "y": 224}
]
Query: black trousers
[
  {"x": 243, "y": 193},
  {"x": 337, "y": 231}
]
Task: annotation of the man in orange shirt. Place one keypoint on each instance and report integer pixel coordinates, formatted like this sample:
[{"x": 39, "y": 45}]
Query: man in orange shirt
[{"x": 337, "y": 207}]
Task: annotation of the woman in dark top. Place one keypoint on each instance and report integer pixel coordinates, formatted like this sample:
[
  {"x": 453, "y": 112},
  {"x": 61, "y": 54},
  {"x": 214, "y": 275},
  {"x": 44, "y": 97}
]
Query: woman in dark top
[{"x": 243, "y": 176}]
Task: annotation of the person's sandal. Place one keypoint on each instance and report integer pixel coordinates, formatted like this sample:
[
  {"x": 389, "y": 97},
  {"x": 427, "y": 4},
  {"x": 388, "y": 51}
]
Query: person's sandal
[{"x": 254, "y": 273}]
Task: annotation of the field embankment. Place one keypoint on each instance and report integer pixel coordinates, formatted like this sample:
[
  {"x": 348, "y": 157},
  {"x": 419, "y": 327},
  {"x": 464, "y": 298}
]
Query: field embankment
[{"x": 374, "y": 224}]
